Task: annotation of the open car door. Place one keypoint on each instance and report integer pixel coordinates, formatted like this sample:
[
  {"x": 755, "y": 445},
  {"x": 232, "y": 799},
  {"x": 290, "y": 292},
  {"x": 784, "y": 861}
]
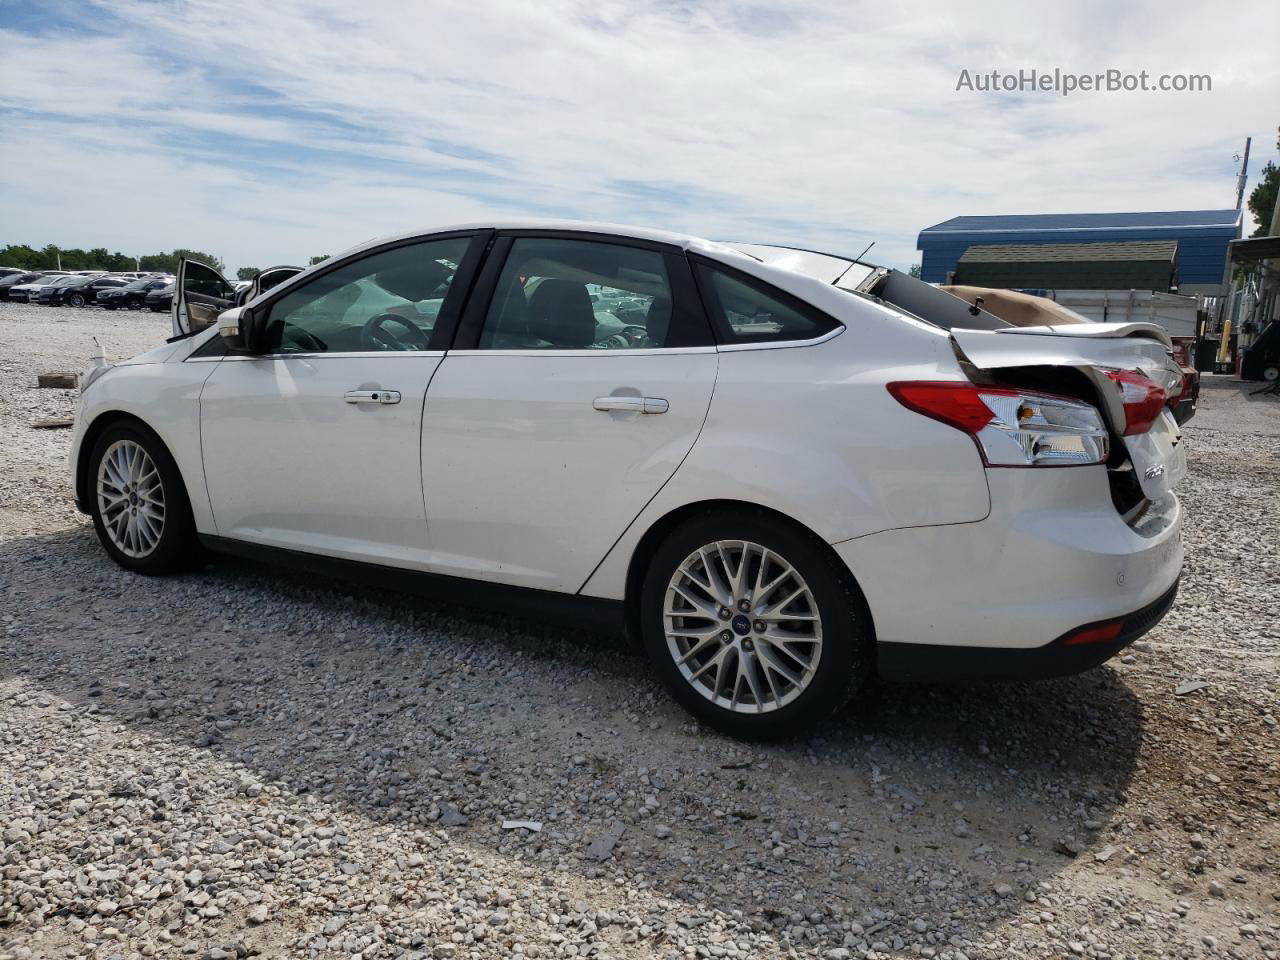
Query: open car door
[
  {"x": 265, "y": 280},
  {"x": 199, "y": 295}
]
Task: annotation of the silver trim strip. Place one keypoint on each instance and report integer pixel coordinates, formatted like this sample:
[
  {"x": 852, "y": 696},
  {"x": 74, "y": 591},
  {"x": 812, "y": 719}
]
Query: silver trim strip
[
  {"x": 335, "y": 355},
  {"x": 645, "y": 352},
  {"x": 781, "y": 344}
]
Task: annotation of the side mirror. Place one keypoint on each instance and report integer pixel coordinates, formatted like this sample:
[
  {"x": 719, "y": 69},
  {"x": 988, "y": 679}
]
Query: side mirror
[{"x": 237, "y": 326}]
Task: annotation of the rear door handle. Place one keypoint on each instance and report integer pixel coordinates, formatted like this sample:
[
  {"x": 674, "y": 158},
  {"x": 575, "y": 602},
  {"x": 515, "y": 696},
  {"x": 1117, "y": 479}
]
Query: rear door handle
[
  {"x": 631, "y": 404},
  {"x": 372, "y": 396}
]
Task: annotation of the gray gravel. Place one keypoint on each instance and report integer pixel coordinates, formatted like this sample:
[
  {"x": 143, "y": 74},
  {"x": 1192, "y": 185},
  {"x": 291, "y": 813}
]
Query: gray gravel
[{"x": 247, "y": 762}]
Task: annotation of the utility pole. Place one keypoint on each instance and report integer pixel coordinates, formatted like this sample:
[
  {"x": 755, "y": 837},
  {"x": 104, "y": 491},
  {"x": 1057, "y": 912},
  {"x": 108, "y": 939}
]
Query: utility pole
[{"x": 1244, "y": 173}]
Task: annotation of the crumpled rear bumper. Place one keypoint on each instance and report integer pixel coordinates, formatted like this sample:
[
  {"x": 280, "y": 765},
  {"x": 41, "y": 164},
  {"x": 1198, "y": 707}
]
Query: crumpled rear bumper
[{"x": 933, "y": 663}]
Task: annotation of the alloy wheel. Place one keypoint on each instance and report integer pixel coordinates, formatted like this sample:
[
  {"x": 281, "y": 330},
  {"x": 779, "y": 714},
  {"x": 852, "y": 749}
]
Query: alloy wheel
[
  {"x": 131, "y": 499},
  {"x": 742, "y": 626}
]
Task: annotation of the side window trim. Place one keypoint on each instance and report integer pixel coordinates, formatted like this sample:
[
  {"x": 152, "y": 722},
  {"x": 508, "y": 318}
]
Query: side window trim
[
  {"x": 690, "y": 325},
  {"x": 725, "y": 337},
  {"x": 450, "y": 310}
]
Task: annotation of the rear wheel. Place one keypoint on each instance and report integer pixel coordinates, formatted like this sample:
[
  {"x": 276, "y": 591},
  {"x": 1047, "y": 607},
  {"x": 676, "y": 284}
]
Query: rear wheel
[
  {"x": 753, "y": 624},
  {"x": 139, "y": 502},
  {"x": 1271, "y": 373}
]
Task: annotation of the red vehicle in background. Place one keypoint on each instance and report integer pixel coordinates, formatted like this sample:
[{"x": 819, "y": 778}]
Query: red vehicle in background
[{"x": 1184, "y": 405}]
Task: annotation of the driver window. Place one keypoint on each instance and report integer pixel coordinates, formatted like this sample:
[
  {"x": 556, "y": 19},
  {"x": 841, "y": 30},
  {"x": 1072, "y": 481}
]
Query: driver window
[
  {"x": 385, "y": 301},
  {"x": 578, "y": 295}
]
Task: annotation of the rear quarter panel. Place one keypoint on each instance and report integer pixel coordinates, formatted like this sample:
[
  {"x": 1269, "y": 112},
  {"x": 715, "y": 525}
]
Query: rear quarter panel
[{"x": 811, "y": 432}]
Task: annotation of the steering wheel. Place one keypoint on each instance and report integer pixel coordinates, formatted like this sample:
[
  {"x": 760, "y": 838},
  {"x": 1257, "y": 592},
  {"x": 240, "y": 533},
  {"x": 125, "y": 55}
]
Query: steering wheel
[
  {"x": 374, "y": 337},
  {"x": 630, "y": 336}
]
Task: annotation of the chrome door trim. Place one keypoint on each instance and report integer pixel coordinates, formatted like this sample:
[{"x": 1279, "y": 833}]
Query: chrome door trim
[
  {"x": 332, "y": 355},
  {"x": 644, "y": 352},
  {"x": 781, "y": 344}
]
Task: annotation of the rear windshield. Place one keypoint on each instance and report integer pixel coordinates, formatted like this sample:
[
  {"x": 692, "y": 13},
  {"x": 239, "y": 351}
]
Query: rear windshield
[{"x": 928, "y": 303}]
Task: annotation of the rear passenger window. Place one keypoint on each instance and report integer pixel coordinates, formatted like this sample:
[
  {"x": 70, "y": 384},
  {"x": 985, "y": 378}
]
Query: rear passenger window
[{"x": 750, "y": 311}]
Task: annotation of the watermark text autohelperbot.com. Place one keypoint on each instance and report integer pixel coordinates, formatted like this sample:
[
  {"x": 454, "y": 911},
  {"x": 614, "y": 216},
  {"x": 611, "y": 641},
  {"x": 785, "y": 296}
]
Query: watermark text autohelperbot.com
[{"x": 1065, "y": 83}]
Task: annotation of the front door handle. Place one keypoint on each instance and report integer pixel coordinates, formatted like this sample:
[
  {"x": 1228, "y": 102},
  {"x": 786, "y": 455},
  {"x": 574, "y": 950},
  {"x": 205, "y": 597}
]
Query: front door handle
[
  {"x": 372, "y": 396},
  {"x": 631, "y": 404}
]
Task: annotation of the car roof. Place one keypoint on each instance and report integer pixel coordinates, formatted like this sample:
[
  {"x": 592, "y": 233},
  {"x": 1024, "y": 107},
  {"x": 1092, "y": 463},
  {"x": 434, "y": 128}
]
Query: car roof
[{"x": 682, "y": 240}]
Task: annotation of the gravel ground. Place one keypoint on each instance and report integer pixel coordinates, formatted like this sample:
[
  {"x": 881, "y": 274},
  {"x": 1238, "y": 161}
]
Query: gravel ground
[{"x": 246, "y": 762}]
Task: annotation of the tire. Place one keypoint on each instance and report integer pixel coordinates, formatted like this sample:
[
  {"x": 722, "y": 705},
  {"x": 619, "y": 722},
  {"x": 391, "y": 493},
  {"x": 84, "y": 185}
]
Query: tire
[
  {"x": 176, "y": 547},
  {"x": 839, "y": 664},
  {"x": 1271, "y": 373},
  {"x": 76, "y": 300},
  {"x": 134, "y": 303}
]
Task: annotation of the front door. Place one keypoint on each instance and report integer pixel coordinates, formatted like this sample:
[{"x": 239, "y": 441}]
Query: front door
[
  {"x": 200, "y": 294},
  {"x": 314, "y": 445},
  {"x": 584, "y": 385}
]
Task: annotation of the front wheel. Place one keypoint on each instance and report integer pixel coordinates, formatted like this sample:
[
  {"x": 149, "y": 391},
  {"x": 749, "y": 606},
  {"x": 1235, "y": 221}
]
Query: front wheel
[
  {"x": 76, "y": 300},
  {"x": 139, "y": 502},
  {"x": 754, "y": 625}
]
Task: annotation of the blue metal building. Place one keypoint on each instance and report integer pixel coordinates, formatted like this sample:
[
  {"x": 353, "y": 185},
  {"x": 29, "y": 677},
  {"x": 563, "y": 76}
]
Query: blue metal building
[{"x": 1202, "y": 237}]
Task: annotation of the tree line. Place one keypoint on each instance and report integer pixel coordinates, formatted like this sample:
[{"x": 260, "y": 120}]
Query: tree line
[{"x": 53, "y": 257}]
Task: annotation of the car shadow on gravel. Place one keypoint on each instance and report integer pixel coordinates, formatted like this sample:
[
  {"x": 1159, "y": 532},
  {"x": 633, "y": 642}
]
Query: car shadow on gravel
[{"x": 404, "y": 711}]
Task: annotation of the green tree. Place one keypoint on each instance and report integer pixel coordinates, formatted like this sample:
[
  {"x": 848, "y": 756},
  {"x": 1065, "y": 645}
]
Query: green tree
[
  {"x": 1262, "y": 201},
  {"x": 914, "y": 271},
  {"x": 168, "y": 262},
  {"x": 320, "y": 259},
  {"x": 19, "y": 255},
  {"x": 247, "y": 273}
]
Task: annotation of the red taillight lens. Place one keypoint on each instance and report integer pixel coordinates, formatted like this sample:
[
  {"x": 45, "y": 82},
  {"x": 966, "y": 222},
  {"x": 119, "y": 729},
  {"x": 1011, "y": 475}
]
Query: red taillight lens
[
  {"x": 956, "y": 404},
  {"x": 1100, "y": 634},
  {"x": 1012, "y": 428},
  {"x": 1143, "y": 400}
]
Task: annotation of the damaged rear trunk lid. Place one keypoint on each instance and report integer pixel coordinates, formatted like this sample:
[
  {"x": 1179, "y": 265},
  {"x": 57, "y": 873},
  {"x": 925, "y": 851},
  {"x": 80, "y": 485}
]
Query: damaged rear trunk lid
[{"x": 1158, "y": 459}]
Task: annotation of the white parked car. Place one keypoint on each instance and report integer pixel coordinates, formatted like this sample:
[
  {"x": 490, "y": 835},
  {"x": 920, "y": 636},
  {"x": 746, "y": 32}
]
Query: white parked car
[
  {"x": 27, "y": 292},
  {"x": 792, "y": 471}
]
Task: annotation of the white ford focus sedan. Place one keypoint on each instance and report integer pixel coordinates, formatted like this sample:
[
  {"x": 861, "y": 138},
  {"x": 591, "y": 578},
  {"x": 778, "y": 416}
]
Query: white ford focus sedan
[{"x": 780, "y": 471}]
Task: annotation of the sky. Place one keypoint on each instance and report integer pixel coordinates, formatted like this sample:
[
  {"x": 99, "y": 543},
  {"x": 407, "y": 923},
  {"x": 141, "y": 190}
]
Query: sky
[{"x": 268, "y": 131}]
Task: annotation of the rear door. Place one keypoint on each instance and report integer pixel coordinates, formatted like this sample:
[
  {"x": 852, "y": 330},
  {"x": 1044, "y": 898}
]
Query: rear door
[
  {"x": 199, "y": 295},
  {"x": 580, "y": 379}
]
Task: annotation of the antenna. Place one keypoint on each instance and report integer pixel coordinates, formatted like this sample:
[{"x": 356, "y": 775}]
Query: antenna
[{"x": 856, "y": 259}]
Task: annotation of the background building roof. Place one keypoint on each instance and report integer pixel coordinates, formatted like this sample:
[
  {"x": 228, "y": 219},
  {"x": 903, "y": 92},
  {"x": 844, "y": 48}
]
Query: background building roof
[
  {"x": 1201, "y": 237},
  {"x": 1161, "y": 250}
]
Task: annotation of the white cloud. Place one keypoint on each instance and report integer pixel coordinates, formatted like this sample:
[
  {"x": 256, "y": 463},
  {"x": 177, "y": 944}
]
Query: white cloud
[{"x": 268, "y": 132}]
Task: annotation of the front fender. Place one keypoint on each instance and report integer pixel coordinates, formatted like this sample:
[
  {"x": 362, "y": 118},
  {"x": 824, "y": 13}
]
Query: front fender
[{"x": 166, "y": 398}]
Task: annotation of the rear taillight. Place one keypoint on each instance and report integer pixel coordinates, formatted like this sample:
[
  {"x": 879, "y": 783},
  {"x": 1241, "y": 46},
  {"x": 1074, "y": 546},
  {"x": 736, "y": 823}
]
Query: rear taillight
[
  {"x": 1012, "y": 428},
  {"x": 1142, "y": 397}
]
